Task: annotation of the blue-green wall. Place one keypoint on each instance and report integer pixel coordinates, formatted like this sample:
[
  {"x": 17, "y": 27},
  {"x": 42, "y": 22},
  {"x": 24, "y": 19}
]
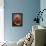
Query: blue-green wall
[
  {"x": 43, "y": 6},
  {"x": 28, "y": 8}
]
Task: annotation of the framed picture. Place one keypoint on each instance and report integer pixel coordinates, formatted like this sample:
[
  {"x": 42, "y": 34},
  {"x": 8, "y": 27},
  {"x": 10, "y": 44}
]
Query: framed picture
[{"x": 17, "y": 19}]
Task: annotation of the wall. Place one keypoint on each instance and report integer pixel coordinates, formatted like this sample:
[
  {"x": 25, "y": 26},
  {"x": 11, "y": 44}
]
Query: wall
[
  {"x": 43, "y": 6},
  {"x": 28, "y": 8}
]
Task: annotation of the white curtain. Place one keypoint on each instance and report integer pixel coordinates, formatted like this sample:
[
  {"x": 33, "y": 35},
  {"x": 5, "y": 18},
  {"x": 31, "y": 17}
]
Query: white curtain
[{"x": 1, "y": 20}]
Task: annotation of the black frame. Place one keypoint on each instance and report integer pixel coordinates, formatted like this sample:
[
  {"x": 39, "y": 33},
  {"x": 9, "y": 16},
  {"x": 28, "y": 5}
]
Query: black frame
[{"x": 15, "y": 14}]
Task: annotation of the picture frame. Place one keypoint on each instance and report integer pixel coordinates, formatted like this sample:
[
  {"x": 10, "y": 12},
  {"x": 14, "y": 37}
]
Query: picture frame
[{"x": 17, "y": 19}]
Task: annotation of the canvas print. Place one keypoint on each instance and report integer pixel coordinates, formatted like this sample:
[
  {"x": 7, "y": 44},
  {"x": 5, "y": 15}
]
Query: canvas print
[{"x": 17, "y": 19}]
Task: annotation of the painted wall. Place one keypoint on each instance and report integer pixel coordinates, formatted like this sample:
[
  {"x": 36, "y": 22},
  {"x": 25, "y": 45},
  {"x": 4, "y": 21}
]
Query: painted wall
[
  {"x": 28, "y": 8},
  {"x": 43, "y": 6}
]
